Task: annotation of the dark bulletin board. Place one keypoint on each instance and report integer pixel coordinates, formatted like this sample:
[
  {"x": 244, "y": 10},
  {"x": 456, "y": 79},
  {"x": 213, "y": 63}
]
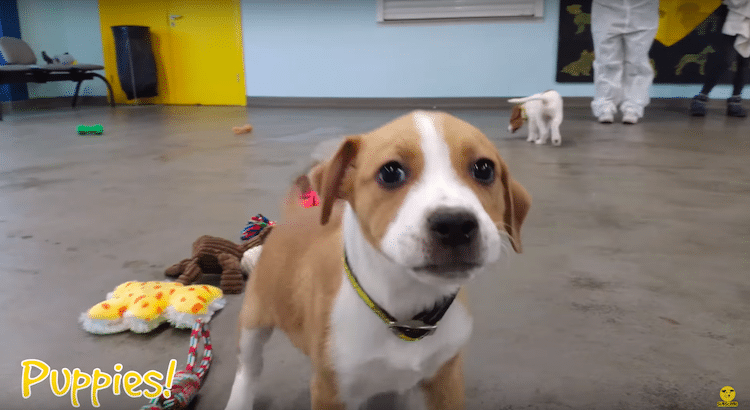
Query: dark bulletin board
[{"x": 682, "y": 63}]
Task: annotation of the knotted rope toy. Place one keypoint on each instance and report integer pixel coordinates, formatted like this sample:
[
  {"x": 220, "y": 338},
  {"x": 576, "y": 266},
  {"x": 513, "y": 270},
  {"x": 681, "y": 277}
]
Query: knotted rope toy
[
  {"x": 255, "y": 226},
  {"x": 186, "y": 383},
  {"x": 259, "y": 226}
]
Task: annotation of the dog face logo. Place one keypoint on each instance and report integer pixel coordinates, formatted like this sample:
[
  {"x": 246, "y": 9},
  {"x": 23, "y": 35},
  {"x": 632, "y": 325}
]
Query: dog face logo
[
  {"x": 727, "y": 393},
  {"x": 432, "y": 194}
]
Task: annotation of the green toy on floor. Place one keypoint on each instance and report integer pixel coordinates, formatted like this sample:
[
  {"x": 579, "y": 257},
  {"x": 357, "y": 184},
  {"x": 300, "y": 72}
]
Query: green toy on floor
[{"x": 97, "y": 129}]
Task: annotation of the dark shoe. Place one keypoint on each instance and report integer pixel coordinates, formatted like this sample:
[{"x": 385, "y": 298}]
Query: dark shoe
[
  {"x": 698, "y": 105},
  {"x": 734, "y": 107}
]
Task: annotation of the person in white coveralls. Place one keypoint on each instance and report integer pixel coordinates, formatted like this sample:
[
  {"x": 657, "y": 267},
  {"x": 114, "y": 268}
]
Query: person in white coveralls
[{"x": 623, "y": 31}]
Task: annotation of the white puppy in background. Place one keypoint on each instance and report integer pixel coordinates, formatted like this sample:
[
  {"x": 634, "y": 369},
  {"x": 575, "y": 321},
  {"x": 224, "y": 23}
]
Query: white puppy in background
[{"x": 543, "y": 111}]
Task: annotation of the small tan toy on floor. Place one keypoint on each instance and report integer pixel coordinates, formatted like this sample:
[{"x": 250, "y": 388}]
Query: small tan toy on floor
[
  {"x": 213, "y": 255},
  {"x": 245, "y": 129}
]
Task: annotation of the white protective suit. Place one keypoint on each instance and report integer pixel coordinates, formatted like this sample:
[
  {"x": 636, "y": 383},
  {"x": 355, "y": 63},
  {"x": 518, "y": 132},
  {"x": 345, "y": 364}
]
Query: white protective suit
[
  {"x": 623, "y": 31},
  {"x": 738, "y": 24}
]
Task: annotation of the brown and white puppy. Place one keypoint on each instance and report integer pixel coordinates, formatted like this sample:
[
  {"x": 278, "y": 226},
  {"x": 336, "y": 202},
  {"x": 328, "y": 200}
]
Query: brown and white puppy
[
  {"x": 419, "y": 207},
  {"x": 544, "y": 113}
]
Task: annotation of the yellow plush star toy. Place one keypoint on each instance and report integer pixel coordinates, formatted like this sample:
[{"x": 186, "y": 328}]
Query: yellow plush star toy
[{"x": 142, "y": 306}]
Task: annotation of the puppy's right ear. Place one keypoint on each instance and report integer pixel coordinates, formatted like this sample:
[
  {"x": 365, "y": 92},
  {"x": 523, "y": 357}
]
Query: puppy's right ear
[{"x": 333, "y": 174}]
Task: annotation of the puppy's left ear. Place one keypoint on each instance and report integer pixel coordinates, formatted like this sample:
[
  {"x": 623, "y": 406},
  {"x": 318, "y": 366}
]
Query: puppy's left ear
[
  {"x": 517, "y": 204},
  {"x": 516, "y": 118},
  {"x": 333, "y": 174},
  {"x": 515, "y": 113}
]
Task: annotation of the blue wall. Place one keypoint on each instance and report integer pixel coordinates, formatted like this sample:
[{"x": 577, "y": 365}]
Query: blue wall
[
  {"x": 59, "y": 26},
  {"x": 10, "y": 27},
  {"x": 335, "y": 48}
]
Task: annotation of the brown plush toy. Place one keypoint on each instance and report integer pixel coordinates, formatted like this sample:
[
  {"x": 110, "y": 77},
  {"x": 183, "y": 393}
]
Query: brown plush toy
[{"x": 218, "y": 256}]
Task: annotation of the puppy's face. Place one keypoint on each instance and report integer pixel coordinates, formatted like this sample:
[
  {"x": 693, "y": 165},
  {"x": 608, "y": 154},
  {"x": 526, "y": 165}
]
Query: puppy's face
[
  {"x": 431, "y": 193},
  {"x": 516, "y": 118}
]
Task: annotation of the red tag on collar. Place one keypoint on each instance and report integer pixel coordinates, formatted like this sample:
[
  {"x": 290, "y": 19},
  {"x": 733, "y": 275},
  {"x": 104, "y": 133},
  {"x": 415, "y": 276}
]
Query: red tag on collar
[{"x": 309, "y": 199}]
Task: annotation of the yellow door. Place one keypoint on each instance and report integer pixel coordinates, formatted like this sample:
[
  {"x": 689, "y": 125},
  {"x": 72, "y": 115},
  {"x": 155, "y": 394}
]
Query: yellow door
[
  {"x": 197, "y": 45},
  {"x": 207, "y": 37}
]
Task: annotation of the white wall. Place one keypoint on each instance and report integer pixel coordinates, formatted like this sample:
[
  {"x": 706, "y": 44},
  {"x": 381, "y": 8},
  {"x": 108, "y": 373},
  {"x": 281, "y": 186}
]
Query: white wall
[
  {"x": 59, "y": 26},
  {"x": 335, "y": 48}
]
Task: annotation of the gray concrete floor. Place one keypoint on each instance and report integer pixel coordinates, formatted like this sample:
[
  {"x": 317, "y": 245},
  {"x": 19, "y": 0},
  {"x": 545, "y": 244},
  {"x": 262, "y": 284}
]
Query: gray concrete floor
[{"x": 632, "y": 292}]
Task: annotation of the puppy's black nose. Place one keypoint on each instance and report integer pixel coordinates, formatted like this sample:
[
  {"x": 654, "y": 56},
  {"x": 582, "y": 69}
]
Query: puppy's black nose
[{"x": 453, "y": 228}]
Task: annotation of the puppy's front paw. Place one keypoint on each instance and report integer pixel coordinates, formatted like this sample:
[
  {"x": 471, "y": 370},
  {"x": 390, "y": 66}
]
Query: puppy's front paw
[{"x": 556, "y": 142}]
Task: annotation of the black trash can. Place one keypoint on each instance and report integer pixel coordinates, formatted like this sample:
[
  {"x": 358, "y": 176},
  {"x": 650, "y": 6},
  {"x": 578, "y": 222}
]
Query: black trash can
[{"x": 136, "y": 65}]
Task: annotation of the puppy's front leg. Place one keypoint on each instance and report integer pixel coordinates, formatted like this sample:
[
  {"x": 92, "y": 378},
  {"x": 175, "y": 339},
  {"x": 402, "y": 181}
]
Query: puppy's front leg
[
  {"x": 250, "y": 366},
  {"x": 324, "y": 392},
  {"x": 555, "y": 127},
  {"x": 413, "y": 399},
  {"x": 445, "y": 391},
  {"x": 533, "y": 131},
  {"x": 543, "y": 134},
  {"x": 537, "y": 126}
]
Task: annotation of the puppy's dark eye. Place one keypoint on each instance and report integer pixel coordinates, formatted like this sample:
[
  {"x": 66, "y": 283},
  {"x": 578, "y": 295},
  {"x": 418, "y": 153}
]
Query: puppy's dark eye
[
  {"x": 483, "y": 171},
  {"x": 391, "y": 175}
]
